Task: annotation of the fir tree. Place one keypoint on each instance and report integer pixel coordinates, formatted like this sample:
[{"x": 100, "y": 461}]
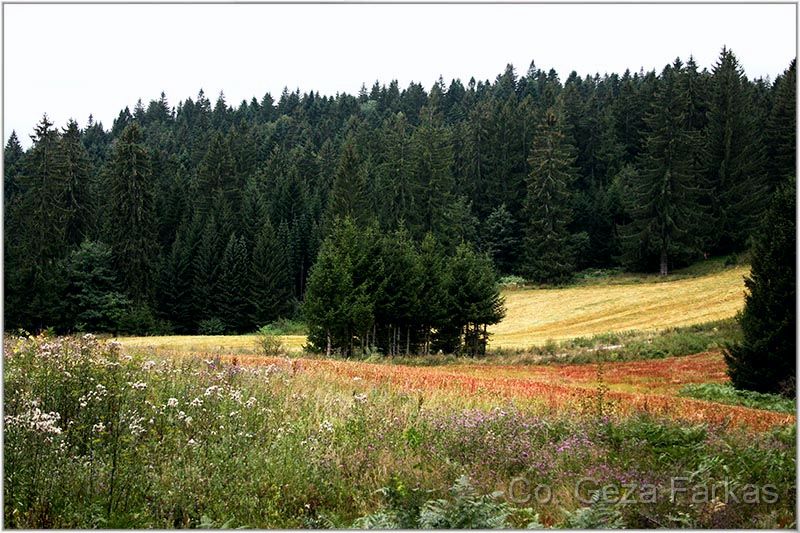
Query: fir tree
[
  {"x": 662, "y": 194},
  {"x": 549, "y": 246},
  {"x": 272, "y": 295},
  {"x": 764, "y": 360},
  {"x": 131, "y": 231},
  {"x": 736, "y": 164}
]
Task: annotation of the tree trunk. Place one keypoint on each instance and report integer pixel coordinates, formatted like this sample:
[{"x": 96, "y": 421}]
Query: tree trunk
[
  {"x": 664, "y": 261},
  {"x": 328, "y": 350},
  {"x": 408, "y": 339}
]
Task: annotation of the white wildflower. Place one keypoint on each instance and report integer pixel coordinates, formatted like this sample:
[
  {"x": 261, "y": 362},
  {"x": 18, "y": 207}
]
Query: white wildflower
[
  {"x": 172, "y": 402},
  {"x": 360, "y": 398},
  {"x": 197, "y": 402},
  {"x": 250, "y": 403},
  {"x": 99, "y": 427},
  {"x": 326, "y": 426}
]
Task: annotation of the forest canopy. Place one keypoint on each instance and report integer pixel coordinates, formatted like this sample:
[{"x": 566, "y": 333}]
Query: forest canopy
[{"x": 210, "y": 217}]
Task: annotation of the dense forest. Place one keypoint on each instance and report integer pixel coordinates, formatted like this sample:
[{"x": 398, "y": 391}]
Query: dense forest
[{"x": 211, "y": 217}]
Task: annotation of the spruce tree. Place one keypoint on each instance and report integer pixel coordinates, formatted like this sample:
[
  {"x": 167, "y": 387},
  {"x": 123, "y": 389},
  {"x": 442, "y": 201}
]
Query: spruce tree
[
  {"x": 500, "y": 239},
  {"x": 78, "y": 206},
  {"x": 474, "y": 297},
  {"x": 12, "y": 157},
  {"x": 736, "y": 177},
  {"x": 661, "y": 195},
  {"x": 234, "y": 286},
  {"x": 348, "y": 195},
  {"x": 781, "y": 131},
  {"x": 764, "y": 360},
  {"x": 549, "y": 249},
  {"x": 131, "y": 231},
  {"x": 272, "y": 296}
]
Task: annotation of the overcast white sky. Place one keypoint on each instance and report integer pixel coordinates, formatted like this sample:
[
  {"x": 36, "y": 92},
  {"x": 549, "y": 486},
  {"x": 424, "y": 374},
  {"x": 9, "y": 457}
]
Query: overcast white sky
[{"x": 73, "y": 60}]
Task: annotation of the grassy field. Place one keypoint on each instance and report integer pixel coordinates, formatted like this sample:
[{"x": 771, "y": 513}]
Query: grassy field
[
  {"x": 101, "y": 437},
  {"x": 536, "y": 316}
]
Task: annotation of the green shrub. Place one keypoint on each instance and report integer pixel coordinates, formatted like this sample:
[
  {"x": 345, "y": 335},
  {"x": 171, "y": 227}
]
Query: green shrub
[
  {"x": 726, "y": 393},
  {"x": 268, "y": 343},
  {"x": 211, "y": 326}
]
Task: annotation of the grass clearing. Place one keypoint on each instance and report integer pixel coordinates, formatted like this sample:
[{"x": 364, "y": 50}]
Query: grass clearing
[{"x": 536, "y": 316}]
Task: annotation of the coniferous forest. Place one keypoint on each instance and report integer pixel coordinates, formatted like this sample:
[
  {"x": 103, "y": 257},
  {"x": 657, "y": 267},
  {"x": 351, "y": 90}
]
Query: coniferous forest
[{"x": 384, "y": 218}]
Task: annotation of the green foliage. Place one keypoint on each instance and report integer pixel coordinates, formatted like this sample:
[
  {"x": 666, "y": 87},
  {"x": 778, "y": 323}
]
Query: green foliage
[
  {"x": 549, "y": 246},
  {"x": 661, "y": 196},
  {"x": 91, "y": 296},
  {"x": 211, "y": 326},
  {"x": 166, "y": 187},
  {"x": 464, "y": 509},
  {"x": 764, "y": 361},
  {"x": 268, "y": 343},
  {"x": 725, "y": 393}
]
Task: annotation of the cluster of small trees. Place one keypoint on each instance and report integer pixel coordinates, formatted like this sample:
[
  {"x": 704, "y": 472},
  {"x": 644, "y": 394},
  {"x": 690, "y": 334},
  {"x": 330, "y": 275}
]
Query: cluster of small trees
[{"x": 371, "y": 291}]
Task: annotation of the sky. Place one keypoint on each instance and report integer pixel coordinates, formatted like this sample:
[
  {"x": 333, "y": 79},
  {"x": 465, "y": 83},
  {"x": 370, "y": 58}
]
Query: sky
[{"x": 74, "y": 60}]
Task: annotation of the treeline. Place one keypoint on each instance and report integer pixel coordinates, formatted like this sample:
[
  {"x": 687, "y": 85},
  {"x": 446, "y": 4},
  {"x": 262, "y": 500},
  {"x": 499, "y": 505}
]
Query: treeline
[
  {"x": 370, "y": 291},
  {"x": 209, "y": 217}
]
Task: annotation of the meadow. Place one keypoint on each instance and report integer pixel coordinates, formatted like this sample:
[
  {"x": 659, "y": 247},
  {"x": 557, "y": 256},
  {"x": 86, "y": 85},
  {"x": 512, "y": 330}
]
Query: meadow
[
  {"x": 101, "y": 436},
  {"x": 633, "y": 428},
  {"x": 600, "y": 306}
]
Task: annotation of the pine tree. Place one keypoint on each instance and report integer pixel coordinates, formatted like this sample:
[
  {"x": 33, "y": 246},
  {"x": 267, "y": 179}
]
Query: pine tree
[
  {"x": 549, "y": 246},
  {"x": 736, "y": 164},
  {"x": 74, "y": 168},
  {"x": 662, "y": 194},
  {"x": 272, "y": 295},
  {"x": 234, "y": 286},
  {"x": 348, "y": 195},
  {"x": 764, "y": 360},
  {"x": 474, "y": 297},
  {"x": 500, "y": 239},
  {"x": 131, "y": 231},
  {"x": 781, "y": 131}
]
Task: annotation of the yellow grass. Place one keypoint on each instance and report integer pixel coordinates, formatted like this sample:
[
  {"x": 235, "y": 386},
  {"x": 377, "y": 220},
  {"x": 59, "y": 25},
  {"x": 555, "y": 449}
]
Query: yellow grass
[
  {"x": 226, "y": 344},
  {"x": 537, "y": 315}
]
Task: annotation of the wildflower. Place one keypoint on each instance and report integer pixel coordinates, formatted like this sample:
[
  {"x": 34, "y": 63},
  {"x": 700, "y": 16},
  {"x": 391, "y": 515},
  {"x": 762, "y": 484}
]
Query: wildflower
[
  {"x": 181, "y": 415},
  {"x": 326, "y": 426},
  {"x": 188, "y": 420},
  {"x": 250, "y": 403},
  {"x": 197, "y": 402},
  {"x": 148, "y": 365},
  {"x": 193, "y": 443},
  {"x": 172, "y": 402},
  {"x": 139, "y": 385},
  {"x": 99, "y": 427},
  {"x": 360, "y": 398}
]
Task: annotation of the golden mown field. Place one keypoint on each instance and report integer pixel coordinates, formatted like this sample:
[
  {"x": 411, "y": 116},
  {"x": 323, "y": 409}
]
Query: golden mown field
[{"x": 535, "y": 316}]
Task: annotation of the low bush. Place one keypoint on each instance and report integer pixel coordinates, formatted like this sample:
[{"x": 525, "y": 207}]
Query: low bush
[{"x": 725, "y": 393}]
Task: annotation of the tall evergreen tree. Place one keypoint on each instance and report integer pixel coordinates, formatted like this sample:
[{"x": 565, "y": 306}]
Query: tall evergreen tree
[
  {"x": 781, "y": 131},
  {"x": 272, "y": 295},
  {"x": 662, "y": 194},
  {"x": 736, "y": 164},
  {"x": 765, "y": 359},
  {"x": 131, "y": 231},
  {"x": 549, "y": 246}
]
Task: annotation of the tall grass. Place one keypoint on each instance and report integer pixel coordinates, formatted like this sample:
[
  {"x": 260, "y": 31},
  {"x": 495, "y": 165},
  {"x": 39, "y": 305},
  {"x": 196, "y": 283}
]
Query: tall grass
[{"x": 94, "y": 437}]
